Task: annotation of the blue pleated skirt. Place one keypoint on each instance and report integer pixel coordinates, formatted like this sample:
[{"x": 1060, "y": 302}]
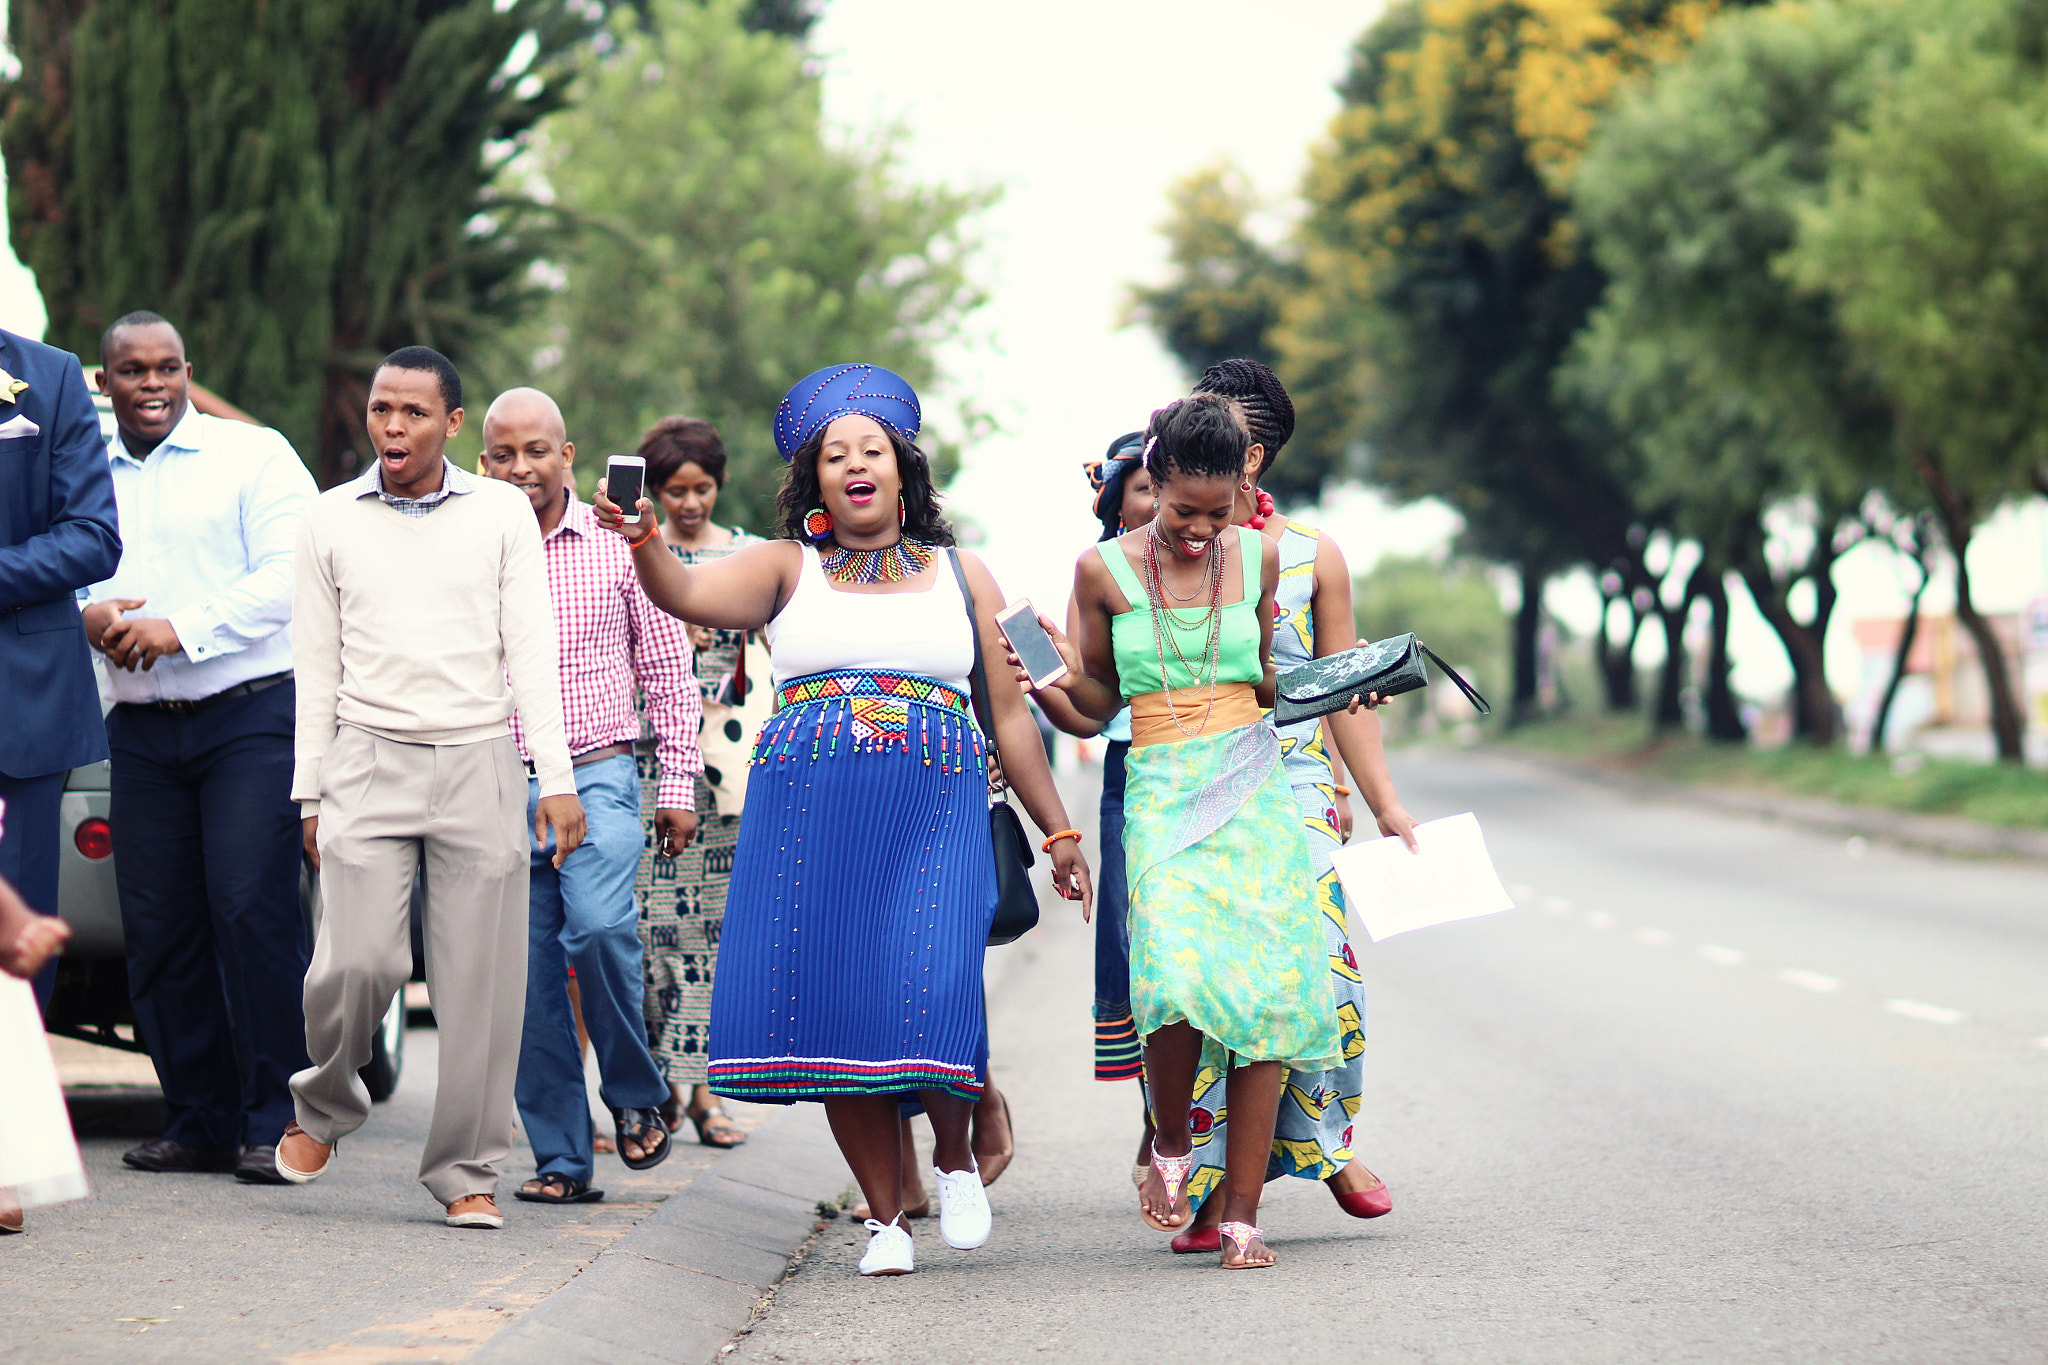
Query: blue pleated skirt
[{"x": 861, "y": 897}]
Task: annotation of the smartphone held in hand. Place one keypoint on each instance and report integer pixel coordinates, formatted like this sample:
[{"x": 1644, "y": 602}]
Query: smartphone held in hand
[
  {"x": 1034, "y": 648},
  {"x": 625, "y": 482}
]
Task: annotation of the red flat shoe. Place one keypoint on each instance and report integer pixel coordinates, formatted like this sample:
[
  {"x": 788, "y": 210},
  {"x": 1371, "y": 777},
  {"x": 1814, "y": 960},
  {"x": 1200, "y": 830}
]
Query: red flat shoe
[
  {"x": 1370, "y": 1203},
  {"x": 1201, "y": 1239}
]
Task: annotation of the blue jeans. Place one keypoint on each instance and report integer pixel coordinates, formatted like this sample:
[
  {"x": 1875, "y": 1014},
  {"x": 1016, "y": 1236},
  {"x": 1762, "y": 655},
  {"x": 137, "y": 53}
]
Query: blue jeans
[{"x": 584, "y": 916}]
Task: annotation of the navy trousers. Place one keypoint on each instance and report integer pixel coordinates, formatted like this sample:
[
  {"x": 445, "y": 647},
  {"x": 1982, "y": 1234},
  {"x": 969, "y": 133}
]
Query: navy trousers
[
  {"x": 206, "y": 855},
  {"x": 28, "y": 850}
]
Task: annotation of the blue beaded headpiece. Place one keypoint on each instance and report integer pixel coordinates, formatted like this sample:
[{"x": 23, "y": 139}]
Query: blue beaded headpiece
[{"x": 838, "y": 390}]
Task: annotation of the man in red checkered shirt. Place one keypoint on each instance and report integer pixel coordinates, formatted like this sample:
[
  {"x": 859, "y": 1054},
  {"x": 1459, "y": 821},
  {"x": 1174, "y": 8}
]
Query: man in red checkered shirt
[{"x": 584, "y": 915}]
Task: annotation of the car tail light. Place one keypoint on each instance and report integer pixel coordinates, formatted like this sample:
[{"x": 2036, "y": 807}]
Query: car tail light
[{"x": 95, "y": 838}]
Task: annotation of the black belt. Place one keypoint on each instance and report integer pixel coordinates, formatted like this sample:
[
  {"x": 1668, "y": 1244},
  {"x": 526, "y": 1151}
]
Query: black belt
[
  {"x": 186, "y": 708},
  {"x": 590, "y": 756}
]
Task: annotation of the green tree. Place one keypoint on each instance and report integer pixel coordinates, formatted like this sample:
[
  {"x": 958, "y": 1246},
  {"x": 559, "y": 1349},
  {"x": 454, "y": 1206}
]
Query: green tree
[
  {"x": 1932, "y": 243},
  {"x": 1223, "y": 297},
  {"x": 1452, "y": 606},
  {"x": 1735, "y": 393},
  {"x": 1442, "y": 288},
  {"x": 731, "y": 246},
  {"x": 303, "y": 185}
]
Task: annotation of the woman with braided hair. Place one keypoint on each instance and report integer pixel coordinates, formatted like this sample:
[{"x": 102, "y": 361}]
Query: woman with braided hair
[
  {"x": 1314, "y": 1130},
  {"x": 1227, "y": 971}
]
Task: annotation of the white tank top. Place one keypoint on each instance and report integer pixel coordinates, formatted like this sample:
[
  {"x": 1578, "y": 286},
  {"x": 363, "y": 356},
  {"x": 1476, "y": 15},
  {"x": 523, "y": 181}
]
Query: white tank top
[{"x": 821, "y": 628}]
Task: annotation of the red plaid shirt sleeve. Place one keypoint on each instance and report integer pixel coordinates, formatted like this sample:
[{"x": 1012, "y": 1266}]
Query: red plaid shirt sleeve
[
  {"x": 610, "y": 636},
  {"x": 663, "y": 661}
]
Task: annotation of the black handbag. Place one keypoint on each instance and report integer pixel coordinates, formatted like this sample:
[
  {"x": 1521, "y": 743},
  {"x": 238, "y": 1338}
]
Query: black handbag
[
  {"x": 1389, "y": 667},
  {"x": 1016, "y": 902}
]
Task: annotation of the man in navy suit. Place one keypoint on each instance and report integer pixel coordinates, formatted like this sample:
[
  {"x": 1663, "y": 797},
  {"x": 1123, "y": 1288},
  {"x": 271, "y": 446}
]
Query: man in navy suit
[{"x": 57, "y": 534}]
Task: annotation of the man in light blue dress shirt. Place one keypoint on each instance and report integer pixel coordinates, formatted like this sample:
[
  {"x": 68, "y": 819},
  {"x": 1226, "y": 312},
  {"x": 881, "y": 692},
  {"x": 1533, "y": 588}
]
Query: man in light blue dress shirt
[{"x": 196, "y": 629}]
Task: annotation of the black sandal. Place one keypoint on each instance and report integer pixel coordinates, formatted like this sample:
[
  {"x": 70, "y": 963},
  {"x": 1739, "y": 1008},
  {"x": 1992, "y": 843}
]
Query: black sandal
[
  {"x": 642, "y": 1123},
  {"x": 557, "y": 1188},
  {"x": 715, "y": 1127}
]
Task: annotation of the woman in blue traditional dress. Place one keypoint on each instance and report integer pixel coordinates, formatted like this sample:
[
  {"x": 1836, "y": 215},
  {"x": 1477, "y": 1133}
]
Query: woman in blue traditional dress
[
  {"x": 1227, "y": 966},
  {"x": 1314, "y": 1131},
  {"x": 863, "y": 885}
]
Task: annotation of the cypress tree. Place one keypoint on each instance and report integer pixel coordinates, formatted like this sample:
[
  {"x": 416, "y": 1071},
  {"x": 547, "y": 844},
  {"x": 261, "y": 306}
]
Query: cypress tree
[{"x": 303, "y": 185}]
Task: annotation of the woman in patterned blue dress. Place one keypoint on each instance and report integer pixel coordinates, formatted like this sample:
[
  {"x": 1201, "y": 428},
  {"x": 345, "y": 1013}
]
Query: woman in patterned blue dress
[{"x": 1313, "y": 1136}]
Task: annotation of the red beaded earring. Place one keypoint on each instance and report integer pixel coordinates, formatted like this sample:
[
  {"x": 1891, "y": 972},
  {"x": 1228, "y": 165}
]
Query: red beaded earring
[
  {"x": 818, "y": 524},
  {"x": 1264, "y": 502}
]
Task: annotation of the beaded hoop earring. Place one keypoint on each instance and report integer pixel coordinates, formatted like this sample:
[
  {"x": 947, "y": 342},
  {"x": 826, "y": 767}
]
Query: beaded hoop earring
[
  {"x": 902, "y": 513},
  {"x": 818, "y": 525}
]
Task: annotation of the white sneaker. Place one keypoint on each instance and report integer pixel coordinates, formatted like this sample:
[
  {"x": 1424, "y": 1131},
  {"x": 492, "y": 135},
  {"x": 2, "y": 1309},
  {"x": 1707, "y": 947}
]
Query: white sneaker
[
  {"x": 964, "y": 1217},
  {"x": 890, "y": 1251}
]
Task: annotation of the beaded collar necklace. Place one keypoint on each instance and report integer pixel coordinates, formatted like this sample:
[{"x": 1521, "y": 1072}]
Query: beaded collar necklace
[{"x": 890, "y": 564}]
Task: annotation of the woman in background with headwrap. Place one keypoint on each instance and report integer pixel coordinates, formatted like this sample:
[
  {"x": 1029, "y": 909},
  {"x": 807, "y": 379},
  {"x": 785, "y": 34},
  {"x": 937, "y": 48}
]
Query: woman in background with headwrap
[{"x": 850, "y": 970}]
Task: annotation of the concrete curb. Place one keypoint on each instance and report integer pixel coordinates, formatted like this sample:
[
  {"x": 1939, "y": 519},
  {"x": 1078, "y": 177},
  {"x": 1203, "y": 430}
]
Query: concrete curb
[
  {"x": 1948, "y": 834},
  {"x": 687, "y": 1277}
]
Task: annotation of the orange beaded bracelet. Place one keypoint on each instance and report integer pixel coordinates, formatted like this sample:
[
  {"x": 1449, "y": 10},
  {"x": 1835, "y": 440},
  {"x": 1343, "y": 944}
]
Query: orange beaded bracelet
[{"x": 1073, "y": 834}]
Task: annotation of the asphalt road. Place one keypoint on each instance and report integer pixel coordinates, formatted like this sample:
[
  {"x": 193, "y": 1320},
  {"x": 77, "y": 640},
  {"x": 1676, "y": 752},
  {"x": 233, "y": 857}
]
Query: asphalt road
[
  {"x": 1716, "y": 1091},
  {"x": 356, "y": 1269}
]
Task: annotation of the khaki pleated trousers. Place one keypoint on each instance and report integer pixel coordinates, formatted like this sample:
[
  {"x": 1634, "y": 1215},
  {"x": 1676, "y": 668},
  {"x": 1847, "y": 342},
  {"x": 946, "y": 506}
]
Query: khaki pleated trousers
[{"x": 384, "y": 807}]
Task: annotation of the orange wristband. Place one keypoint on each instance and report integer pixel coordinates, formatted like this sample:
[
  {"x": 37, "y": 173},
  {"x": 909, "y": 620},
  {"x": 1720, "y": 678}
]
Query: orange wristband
[
  {"x": 1341, "y": 789},
  {"x": 645, "y": 536},
  {"x": 1073, "y": 834}
]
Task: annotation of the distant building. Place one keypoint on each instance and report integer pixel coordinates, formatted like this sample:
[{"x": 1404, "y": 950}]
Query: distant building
[{"x": 1944, "y": 686}]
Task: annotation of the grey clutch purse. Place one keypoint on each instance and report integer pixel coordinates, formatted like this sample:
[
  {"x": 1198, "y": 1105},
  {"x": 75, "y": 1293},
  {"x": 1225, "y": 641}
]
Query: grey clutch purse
[{"x": 1389, "y": 667}]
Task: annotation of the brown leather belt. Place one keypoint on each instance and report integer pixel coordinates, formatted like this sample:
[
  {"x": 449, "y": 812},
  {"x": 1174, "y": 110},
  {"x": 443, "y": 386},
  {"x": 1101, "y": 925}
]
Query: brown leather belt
[{"x": 597, "y": 755}]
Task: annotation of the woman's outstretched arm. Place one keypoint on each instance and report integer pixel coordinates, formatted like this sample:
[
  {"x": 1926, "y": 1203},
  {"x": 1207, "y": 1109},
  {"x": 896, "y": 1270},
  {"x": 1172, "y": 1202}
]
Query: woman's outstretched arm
[
  {"x": 1357, "y": 730},
  {"x": 742, "y": 591}
]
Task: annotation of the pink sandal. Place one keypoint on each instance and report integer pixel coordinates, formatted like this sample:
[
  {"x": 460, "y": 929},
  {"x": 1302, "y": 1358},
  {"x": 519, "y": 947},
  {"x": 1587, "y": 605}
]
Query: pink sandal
[
  {"x": 1173, "y": 1173},
  {"x": 1242, "y": 1234}
]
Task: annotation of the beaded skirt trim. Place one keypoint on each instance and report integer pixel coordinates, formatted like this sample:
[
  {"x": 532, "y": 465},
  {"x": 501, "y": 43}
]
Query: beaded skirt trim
[
  {"x": 860, "y": 711},
  {"x": 777, "y": 1078}
]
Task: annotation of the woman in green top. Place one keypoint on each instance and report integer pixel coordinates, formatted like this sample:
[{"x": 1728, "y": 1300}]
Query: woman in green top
[{"x": 1227, "y": 969}]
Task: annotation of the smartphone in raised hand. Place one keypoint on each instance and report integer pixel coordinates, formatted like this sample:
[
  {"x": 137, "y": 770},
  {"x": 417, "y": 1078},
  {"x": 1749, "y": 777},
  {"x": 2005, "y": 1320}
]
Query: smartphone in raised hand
[
  {"x": 625, "y": 483},
  {"x": 1034, "y": 648}
]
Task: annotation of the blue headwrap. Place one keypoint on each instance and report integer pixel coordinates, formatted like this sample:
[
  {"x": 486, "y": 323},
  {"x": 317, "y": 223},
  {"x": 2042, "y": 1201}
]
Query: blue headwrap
[
  {"x": 1107, "y": 475},
  {"x": 838, "y": 390}
]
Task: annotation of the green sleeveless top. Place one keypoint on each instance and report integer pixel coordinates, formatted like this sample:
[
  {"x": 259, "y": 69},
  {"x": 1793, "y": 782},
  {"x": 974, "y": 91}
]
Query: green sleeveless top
[{"x": 1137, "y": 658}]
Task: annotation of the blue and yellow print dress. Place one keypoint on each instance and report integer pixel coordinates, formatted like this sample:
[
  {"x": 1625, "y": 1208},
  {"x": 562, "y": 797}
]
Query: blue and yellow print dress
[{"x": 1317, "y": 1109}]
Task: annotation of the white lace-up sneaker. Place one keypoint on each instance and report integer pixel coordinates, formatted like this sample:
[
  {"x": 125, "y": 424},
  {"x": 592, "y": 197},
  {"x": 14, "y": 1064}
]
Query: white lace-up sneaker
[
  {"x": 964, "y": 1217},
  {"x": 890, "y": 1251}
]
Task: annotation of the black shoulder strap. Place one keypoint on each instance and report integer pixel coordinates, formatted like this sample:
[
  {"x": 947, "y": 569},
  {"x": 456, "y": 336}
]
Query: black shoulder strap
[
  {"x": 1471, "y": 694},
  {"x": 977, "y": 682}
]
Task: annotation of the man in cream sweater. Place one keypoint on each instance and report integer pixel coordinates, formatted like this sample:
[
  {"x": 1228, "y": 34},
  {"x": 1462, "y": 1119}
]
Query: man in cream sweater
[{"x": 420, "y": 590}]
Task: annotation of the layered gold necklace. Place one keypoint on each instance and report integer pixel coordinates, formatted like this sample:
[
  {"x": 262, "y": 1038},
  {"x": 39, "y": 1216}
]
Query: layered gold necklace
[{"x": 1167, "y": 625}]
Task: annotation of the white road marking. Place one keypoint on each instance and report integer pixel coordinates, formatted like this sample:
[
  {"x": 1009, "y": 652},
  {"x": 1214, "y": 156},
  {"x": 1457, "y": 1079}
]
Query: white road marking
[
  {"x": 1933, "y": 1014},
  {"x": 1557, "y": 905},
  {"x": 1656, "y": 938},
  {"x": 1809, "y": 981},
  {"x": 1599, "y": 919},
  {"x": 1726, "y": 957}
]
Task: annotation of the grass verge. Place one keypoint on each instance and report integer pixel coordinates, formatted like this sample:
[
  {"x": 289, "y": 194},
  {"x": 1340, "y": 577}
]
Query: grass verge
[{"x": 1994, "y": 793}]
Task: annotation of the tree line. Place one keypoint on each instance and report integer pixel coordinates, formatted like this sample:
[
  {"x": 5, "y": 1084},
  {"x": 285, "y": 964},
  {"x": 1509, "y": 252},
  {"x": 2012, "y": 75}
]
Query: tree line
[
  {"x": 1682, "y": 292},
  {"x": 637, "y": 203}
]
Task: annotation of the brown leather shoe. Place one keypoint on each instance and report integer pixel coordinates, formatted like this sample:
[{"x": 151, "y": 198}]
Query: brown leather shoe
[
  {"x": 165, "y": 1155},
  {"x": 258, "y": 1166}
]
